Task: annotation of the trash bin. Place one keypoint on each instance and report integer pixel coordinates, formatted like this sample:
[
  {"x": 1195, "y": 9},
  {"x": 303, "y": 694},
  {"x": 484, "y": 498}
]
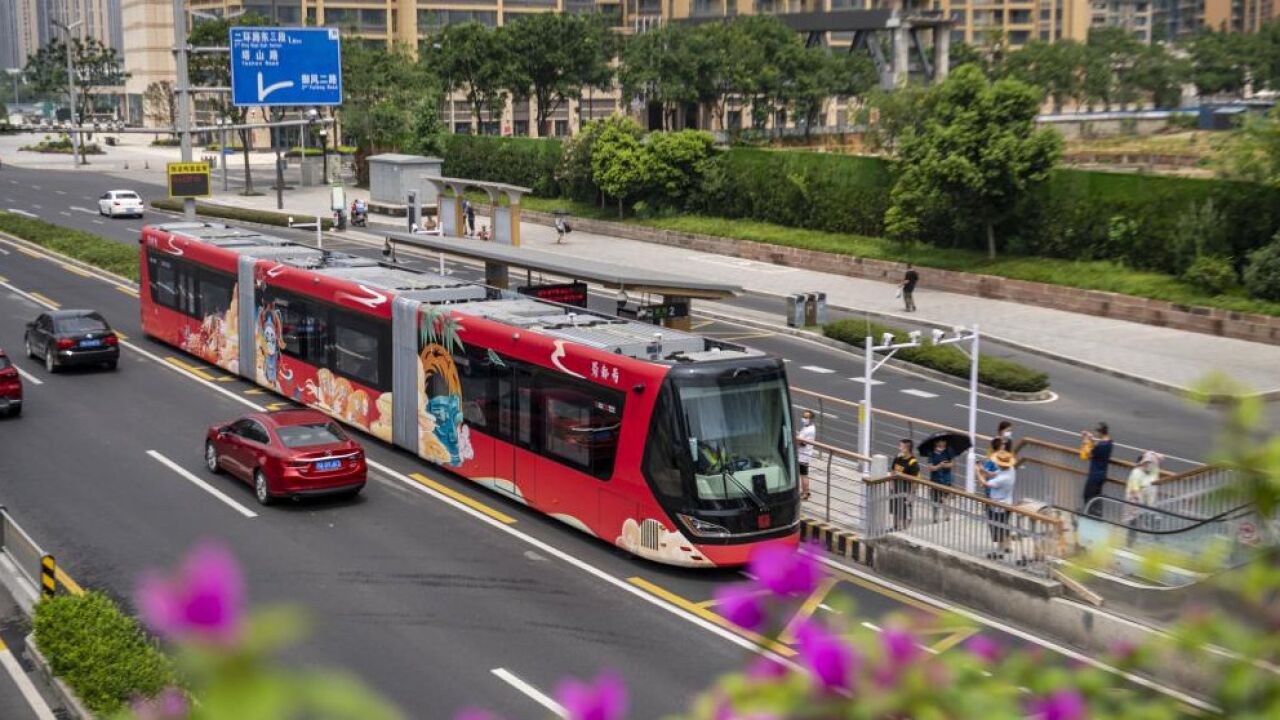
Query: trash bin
[
  {"x": 820, "y": 308},
  {"x": 810, "y": 309},
  {"x": 795, "y": 310}
]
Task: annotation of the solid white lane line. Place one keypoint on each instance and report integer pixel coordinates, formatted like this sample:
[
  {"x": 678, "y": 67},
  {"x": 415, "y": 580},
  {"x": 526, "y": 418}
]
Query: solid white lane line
[
  {"x": 530, "y": 691},
  {"x": 77, "y": 208},
  {"x": 28, "y": 376},
  {"x": 23, "y": 213},
  {"x": 97, "y": 222},
  {"x": 61, "y": 192},
  {"x": 1023, "y": 635},
  {"x": 35, "y": 187},
  {"x": 917, "y": 393},
  {"x": 3, "y": 251},
  {"x": 1075, "y": 433},
  {"x": 25, "y": 686},
  {"x": 64, "y": 212},
  {"x": 874, "y": 382},
  {"x": 201, "y": 484},
  {"x": 817, "y": 369},
  {"x": 38, "y": 207}
]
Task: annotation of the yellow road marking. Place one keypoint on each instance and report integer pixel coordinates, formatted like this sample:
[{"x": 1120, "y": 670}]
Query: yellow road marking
[
  {"x": 700, "y": 324},
  {"x": 693, "y": 607},
  {"x": 464, "y": 499},
  {"x": 26, "y": 251},
  {"x": 65, "y": 580},
  {"x": 953, "y": 639},
  {"x": 120, "y": 335},
  {"x": 254, "y": 391},
  {"x": 886, "y": 592},
  {"x": 72, "y": 268},
  {"x": 189, "y": 368},
  {"x": 3, "y": 279},
  {"x": 43, "y": 298},
  {"x": 225, "y": 378},
  {"x": 807, "y": 609},
  {"x": 127, "y": 291},
  {"x": 279, "y": 406}
]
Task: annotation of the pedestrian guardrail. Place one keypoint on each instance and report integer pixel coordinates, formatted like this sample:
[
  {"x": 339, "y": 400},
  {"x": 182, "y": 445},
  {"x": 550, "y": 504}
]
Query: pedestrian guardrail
[
  {"x": 1202, "y": 493},
  {"x": 1016, "y": 536},
  {"x": 18, "y": 545},
  {"x": 837, "y": 487}
]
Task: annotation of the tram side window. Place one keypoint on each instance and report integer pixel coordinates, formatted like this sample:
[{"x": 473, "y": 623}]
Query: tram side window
[
  {"x": 357, "y": 346},
  {"x": 662, "y": 451},
  {"x": 163, "y": 275},
  {"x": 215, "y": 292},
  {"x": 306, "y": 329},
  {"x": 479, "y": 387},
  {"x": 581, "y": 424}
]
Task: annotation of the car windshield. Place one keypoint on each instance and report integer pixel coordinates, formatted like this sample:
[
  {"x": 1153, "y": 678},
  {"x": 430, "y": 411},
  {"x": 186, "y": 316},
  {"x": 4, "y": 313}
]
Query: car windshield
[
  {"x": 320, "y": 433},
  {"x": 126, "y": 196},
  {"x": 4, "y": 362},
  {"x": 739, "y": 438},
  {"x": 81, "y": 323}
]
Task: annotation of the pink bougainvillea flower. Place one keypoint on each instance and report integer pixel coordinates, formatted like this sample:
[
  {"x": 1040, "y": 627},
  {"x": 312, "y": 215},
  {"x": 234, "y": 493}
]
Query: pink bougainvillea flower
[
  {"x": 766, "y": 668},
  {"x": 169, "y": 704},
  {"x": 830, "y": 660},
  {"x": 784, "y": 571},
  {"x": 205, "y": 599},
  {"x": 1063, "y": 704},
  {"x": 900, "y": 646},
  {"x": 983, "y": 647},
  {"x": 605, "y": 699},
  {"x": 741, "y": 605}
]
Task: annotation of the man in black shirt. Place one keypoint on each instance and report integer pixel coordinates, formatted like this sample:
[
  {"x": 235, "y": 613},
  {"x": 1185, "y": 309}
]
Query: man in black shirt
[
  {"x": 909, "y": 281},
  {"x": 900, "y": 505}
]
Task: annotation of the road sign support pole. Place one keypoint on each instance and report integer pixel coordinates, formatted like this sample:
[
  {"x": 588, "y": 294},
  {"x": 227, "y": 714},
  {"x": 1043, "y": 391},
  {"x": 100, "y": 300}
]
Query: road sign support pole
[
  {"x": 183, "y": 92},
  {"x": 970, "y": 482},
  {"x": 279, "y": 179}
]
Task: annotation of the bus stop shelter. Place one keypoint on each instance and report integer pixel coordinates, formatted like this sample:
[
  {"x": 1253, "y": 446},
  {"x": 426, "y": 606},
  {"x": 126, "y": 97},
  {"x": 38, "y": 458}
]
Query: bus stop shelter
[{"x": 677, "y": 291}]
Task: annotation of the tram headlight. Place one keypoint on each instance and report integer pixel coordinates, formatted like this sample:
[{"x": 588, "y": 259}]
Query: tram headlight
[{"x": 702, "y": 528}]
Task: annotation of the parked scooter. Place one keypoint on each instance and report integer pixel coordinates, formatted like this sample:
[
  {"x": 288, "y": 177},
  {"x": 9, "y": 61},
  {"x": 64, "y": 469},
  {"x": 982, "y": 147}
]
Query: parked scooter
[{"x": 359, "y": 217}]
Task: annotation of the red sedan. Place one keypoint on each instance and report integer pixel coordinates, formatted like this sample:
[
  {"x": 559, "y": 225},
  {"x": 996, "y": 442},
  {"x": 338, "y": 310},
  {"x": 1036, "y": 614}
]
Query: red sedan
[
  {"x": 289, "y": 453},
  {"x": 10, "y": 387}
]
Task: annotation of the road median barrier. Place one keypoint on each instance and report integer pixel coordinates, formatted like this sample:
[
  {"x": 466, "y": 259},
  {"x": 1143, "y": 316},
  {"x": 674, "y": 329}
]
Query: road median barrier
[{"x": 230, "y": 212}]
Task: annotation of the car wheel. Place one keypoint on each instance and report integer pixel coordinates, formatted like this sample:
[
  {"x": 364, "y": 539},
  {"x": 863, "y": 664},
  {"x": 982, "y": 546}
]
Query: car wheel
[
  {"x": 15, "y": 412},
  {"x": 211, "y": 458},
  {"x": 260, "y": 488},
  {"x": 49, "y": 362},
  {"x": 30, "y": 352},
  {"x": 109, "y": 365},
  {"x": 351, "y": 494}
]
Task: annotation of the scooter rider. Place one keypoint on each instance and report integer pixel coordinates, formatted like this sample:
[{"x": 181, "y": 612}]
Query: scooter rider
[{"x": 359, "y": 213}]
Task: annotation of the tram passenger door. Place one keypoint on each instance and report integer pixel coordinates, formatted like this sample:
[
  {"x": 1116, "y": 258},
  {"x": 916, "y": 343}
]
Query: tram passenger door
[{"x": 515, "y": 458}]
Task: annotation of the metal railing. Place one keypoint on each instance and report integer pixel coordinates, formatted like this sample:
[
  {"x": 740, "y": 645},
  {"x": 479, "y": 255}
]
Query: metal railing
[
  {"x": 1204, "y": 492},
  {"x": 837, "y": 487},
  {"x": 24, "y": 551},
  {"x": 1015, "y": 536}
]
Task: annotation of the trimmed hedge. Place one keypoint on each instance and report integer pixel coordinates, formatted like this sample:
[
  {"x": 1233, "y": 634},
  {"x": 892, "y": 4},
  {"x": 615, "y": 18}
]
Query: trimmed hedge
[
  {"x": 226, "y": 212},
  {"x": 102, "y": 653},
  {"x": 528, "y": 162},
  {"x": 119, "y": 258},
  {"x": 992, "y": 371}
]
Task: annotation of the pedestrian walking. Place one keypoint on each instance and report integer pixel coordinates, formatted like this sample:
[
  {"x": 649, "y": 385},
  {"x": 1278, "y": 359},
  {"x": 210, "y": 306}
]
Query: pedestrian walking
[
  {"x": 1141, "y": 486},
  {"x": 1099, "y": 446},
  {"x": 999, "y": 485},
  {"x": 470, "y": 210},
  {"x": 562, "y": 227},
  {"x": 804, "y": 450},
  {"x": 904, "y": 464},
  {"x": 909, "y": 281},
  {"x": 940, "y": 463}
]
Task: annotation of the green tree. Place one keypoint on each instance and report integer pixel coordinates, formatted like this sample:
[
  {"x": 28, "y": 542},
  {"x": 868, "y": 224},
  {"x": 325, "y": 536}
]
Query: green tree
[
  {"x": 1218, "y": 62},
  {"x": 1110, "y": 57},
  {"x": 425, "y": 133},
  {"x": 978, "y": 150},
  {"x": 469, "y": 57},
  {"x": 812, "y": 76},
  {"x": 677, "y": 164},
  {"x": 1159, "y": 74},
  {"x": 890, "y": 114},
  {"x": 664, "y": 66},
  {"x": 1056, "y": 68},
  {"x": 214, "y": 70},
  {"x": 554, "y": 56},
  {"x": 759, "y": 43},
  {"x": 1266, "y": 66},
  {"x": 96, "y": 66},
  {"x": 381, "y": 87},
  {"x": 1253, "y": 152},
  {"x": 620, "y": 163},
  {"x": 962, "y": 53}
]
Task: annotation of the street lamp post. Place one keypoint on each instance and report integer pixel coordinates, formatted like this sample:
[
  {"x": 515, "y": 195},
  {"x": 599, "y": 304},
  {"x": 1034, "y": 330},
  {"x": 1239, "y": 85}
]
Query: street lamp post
[
  {"x": 869, "y": 368},
  {"x": 71, "y": 91},
  {"x": 324, "y": 152},
  {"x": 223, "y": 122},
  {"x": 971, "y": 337}
]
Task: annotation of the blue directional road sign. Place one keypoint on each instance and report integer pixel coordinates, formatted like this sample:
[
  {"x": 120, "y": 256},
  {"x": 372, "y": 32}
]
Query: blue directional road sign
[{"x": 285, "y": 66}]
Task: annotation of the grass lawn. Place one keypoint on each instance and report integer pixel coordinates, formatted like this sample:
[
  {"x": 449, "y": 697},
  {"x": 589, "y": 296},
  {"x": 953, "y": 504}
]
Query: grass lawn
[{"x": 119, "y": 258}]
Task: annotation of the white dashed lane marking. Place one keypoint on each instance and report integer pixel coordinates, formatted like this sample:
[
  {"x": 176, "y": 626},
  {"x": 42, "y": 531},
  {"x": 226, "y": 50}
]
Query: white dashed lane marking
[
  {"x": 863, "y": 380},
  {"x": 918, "y": 393},
  {"x": 816, "y": 369}
]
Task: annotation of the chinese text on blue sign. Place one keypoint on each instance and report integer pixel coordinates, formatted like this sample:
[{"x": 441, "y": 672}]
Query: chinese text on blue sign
[{"x": 285, "y": 66}]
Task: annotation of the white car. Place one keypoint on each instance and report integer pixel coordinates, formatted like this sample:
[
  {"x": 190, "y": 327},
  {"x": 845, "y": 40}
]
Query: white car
[{"x": 120, "y": 202}]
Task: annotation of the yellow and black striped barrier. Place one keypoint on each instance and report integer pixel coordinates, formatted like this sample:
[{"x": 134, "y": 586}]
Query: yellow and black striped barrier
[{"x": 48, "y": 576}]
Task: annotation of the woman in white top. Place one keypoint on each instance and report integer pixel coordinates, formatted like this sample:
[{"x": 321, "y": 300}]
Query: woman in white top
[
  {"x": 804, "y": 450},
  {"x": 1141, "y": 487}
]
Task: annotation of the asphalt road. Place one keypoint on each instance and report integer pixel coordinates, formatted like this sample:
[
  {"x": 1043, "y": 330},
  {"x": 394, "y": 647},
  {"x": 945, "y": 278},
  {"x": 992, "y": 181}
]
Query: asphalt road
[
  {"x": 1140, "y": 417},
  {"x": 431, "y": 592}
]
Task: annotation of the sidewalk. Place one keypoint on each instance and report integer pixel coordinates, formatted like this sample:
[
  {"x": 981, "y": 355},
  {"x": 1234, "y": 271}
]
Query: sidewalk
[{"x": 1163, "y": 357}]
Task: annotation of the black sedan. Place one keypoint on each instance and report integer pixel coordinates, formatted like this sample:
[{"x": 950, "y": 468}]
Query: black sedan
[{"x": 67, "y": 338}]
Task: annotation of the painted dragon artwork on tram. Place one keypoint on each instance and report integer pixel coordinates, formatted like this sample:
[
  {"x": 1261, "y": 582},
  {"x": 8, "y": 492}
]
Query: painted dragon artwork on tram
[{"x": 443, "y": 435}]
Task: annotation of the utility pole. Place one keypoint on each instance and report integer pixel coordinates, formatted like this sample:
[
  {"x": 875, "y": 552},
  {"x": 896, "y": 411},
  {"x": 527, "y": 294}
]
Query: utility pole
[
  {"x": 183, "y": 92},
  {"x": 71, "y": 93}
]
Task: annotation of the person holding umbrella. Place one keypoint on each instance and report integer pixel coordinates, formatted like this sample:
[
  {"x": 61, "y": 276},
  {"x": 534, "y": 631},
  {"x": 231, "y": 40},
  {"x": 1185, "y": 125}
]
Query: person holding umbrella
[{"x": 940, "y": 452}]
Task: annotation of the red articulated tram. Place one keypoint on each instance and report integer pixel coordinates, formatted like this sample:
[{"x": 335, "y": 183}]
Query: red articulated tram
[{"x": 674, "y": 447}]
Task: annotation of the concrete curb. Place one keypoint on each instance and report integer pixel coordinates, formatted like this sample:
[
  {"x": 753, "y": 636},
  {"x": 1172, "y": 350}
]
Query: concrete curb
[
  {"x": 63, "y": 692},
  {"x": 835, "y": 540},
  {"x": 929, "y": 373}
]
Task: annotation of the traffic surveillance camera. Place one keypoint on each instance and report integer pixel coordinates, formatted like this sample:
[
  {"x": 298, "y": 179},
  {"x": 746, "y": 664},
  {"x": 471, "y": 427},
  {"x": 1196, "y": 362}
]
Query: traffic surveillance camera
[
  {"x": 313, "y": 115},
  {"x": 937, "y": 336},
  {"x": 914, "y": 336},
  {"x": 886, "y": 339}
]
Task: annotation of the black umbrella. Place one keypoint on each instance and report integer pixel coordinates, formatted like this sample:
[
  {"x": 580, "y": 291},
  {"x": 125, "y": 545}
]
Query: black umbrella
[{"x": 956, "y": 443}]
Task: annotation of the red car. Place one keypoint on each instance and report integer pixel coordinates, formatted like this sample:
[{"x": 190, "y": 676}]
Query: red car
[
  {"x": 289, "y": 453},
  {"x": 10, "y": 387}
]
